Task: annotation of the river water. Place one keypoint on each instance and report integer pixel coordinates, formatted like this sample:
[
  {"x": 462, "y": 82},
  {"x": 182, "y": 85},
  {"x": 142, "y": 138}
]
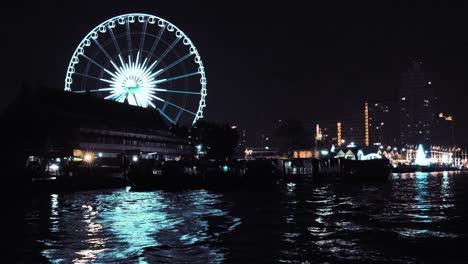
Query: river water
[{"x": 411, "y": 218}]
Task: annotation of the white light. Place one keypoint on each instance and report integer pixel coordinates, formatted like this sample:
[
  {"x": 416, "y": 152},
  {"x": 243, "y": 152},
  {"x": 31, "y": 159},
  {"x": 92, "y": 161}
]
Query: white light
[
  {"x": 395, "y": 148},
  {"x": 267, "y": 148},
  {"x": 88, "y": 157},
  {"x": 429, "y": 83},
  {"x": 100, "y": 154},
  {"x": 421, "y": 159},
  {"x": 57, "y": 159},
  {"x": 132, "y": 81},
  {"x": 135, "y": 158},
  {"x": 324, "y": 152},
  {"x": 53, "y": 167}
]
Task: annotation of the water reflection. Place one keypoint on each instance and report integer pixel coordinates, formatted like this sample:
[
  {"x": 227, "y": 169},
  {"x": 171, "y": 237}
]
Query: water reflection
[
  {"x": 146, "y": 227},
  {"x": 54, "y": 215},
  {"x": 422, "y": 201},
  {"x": 397, "y": 221},
  {"x": 94, "y": 243}
]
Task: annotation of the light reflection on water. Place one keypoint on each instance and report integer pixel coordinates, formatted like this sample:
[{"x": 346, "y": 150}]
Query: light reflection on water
[
  {"x": 136, "y": 227},
  {"x": 398, "y": 221}
]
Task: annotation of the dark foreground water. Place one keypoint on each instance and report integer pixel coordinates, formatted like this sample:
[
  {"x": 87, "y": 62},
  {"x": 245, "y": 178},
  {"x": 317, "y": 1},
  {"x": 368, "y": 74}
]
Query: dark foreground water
[{"x": 412, "y": 218}]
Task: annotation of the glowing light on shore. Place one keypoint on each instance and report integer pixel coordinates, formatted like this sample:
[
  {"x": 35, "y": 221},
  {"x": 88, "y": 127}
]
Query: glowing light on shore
[{"x": 421, "y": 159}]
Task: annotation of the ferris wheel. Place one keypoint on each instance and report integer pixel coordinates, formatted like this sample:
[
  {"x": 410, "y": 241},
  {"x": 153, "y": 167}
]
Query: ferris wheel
[{"x": 142, "y": 60}]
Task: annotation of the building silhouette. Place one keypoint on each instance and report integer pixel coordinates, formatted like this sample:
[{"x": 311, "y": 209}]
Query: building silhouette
[
  {"x": 383, "y": 123},
  {"x": 53, "y": 123},
  {"x": 416, "y": 103}
]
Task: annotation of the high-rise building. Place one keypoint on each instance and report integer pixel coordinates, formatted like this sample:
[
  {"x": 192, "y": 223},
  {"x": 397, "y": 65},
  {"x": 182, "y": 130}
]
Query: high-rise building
[
  {"x": 325, "y": 133},
  {"x": 353, "y": 128},
  {"x": 416, "y": 101},
  {"x": 383, "y": 124}
]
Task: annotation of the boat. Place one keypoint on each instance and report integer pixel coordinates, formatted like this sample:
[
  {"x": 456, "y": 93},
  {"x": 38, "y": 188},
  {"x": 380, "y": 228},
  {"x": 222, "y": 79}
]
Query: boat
[
  {"x": 374, "y": 169},
  {"x": 206, "y": 174}
]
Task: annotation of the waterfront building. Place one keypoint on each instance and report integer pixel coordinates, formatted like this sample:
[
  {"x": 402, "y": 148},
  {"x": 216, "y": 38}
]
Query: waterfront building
[{"x": 60, "y": 125}]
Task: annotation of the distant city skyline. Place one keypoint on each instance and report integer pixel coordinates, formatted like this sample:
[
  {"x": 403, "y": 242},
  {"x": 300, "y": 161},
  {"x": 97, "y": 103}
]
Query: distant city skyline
[{"x": 267, "y": 61}]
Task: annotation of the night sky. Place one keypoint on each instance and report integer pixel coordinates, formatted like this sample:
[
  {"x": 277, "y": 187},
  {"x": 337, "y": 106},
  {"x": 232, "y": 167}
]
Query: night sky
[{"x": 265, "y": 61}]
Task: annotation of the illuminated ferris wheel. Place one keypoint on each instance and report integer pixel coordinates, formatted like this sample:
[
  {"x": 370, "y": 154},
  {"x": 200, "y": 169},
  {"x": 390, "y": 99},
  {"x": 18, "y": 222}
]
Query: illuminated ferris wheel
[{"x": 141, "y": 60}]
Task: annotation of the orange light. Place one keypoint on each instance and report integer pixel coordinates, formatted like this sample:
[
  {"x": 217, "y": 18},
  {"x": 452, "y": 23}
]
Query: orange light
[
  {"x": 338, "y": 128},
  {"x": 77, "y": 153},
  {"x": 366, "y": 122},
  {"x": 318, "y": 132},
  {"x": 88, "y": 157},
  {"x": 441, "y": 115}
]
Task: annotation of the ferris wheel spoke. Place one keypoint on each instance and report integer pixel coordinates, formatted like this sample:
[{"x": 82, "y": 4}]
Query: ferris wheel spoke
[
  {"x": 180, "y": 108},
  {"x": 129, "y": 41},
  {"x": 87, "y": 76},
  {"x": 97, "y": 64},
  {"x": 114, "y": 40},
  {"x": 84, "y": 91},
  {"x": 175, "y": 91},
  {"x": 166, "y": 116},
  {"x": 166, "y": 51},
  {"x": 102, "y": 49},
  {"x": 116, "y": 97},
  {"x": 178, "y": 116},
  {"x": 176, "y": 77},
  {"x": 107, "y": 81},
  {"x": 159, "y": 99},
  {"x": 104, "y": 89},
  {"x": 96, "y": 90},
  {"x": 171, "y": 65},
  {"x": 155, "y": 44},
  {"x": 164, "y": 106},
  {"x": 143, "y": 35}
]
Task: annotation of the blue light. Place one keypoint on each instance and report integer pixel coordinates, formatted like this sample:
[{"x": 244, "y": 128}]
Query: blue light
[{"x": 421, "y": 159}]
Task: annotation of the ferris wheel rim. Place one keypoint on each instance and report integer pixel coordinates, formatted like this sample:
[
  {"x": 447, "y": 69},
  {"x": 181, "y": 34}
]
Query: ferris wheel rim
[{"x": 142, "y": 18}]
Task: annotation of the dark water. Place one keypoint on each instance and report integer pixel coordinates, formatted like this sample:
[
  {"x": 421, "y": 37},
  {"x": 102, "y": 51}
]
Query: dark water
[{"x": 412, "y": 218}]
